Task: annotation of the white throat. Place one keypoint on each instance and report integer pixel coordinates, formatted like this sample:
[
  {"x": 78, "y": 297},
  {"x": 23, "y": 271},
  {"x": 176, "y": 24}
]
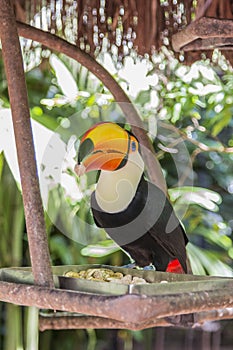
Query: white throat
[{"x": 116, "y": 189}]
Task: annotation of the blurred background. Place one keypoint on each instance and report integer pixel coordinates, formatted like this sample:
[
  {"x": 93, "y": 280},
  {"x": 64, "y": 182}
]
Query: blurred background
[{"x": 187, "y": 111}]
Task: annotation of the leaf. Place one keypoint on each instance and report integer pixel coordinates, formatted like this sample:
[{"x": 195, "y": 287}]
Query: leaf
[
  {"x": 60, "y": 249},
  {"x": 223, "y": 122},
  {"x": 64, "y": 77},
  {"x": 204, "y": 261},
  {"x": 91, "y": 100},
  {"x": 205, "y": 90},
  {"x": 143, "y": 97},
  {"x": 215, "y": 237},
  {"x": 196, "y": 265},
  {"x": 7, "y": 142},
  {"x": 196, "y": 195},
  {"x": 44, "y": 119},
  {"x": 101, "y": 249},
  {"x": 1, "y": 164}
]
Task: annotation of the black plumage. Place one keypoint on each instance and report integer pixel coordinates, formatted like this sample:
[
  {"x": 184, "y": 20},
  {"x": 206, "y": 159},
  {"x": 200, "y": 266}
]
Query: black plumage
[{"x": 147, "y": 229}]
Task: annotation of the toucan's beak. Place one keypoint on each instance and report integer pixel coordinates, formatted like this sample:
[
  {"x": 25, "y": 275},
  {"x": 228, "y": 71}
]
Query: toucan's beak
[{"x": 105, "y": 146}]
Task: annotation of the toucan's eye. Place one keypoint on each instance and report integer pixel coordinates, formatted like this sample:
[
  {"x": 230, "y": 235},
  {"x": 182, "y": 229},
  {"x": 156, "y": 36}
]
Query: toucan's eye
[{"x": 133, "y": 146}]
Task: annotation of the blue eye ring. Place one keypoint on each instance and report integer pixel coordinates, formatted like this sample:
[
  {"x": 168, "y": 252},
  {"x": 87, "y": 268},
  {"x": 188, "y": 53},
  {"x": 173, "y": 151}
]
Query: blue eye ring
[{"x": 133, "y": 146}]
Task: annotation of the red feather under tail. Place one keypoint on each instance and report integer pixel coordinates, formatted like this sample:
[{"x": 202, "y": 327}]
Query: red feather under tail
[{"x": 175, "y": 267}]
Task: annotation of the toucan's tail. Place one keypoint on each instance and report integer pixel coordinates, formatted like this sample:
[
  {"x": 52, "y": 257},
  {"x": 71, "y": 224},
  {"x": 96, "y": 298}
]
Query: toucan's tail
[{"x": 174, "y": 266}]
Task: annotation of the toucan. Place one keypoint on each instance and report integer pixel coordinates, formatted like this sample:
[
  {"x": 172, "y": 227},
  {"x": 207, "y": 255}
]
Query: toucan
[{"x": 134, "y": 212}]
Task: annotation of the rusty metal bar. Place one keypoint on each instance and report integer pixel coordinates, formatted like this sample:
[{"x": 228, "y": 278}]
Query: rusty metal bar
[
  {"x": 203, "y": 28},
  {"x": 34, "y": 215},
  {"x": 61, "y": 321},
  {"x": 128, "y": 308},
  {"x": 84, "y": 322}
]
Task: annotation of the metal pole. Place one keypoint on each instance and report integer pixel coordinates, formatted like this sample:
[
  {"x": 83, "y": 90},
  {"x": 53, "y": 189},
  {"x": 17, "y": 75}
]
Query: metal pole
[
  {"x": 126, "y": 308},
  {"x": 34, "y": 215}
]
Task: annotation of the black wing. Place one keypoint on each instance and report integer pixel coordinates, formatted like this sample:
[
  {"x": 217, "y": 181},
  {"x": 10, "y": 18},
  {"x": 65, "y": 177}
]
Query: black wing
[{"x": 166, "y": 228}]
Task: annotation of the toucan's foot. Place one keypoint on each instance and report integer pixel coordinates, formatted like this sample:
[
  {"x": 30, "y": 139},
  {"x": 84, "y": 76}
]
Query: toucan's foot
[
  {"x": 129, "y": 266},
  {"x": 149, "y": 267},
  {"x": 134, "y": 266}
]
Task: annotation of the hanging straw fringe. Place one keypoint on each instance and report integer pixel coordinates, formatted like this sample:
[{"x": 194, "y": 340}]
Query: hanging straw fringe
[{"x": 118, "y": 26}]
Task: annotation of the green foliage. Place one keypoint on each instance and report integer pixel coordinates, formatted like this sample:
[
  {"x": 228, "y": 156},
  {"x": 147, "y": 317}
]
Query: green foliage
[
  {"x": 101, "y": 249},
  {"x": 180, "y": 105},
  {"x": 194, "y": 104},
  {"x": 195, "y": 195},
  {"x": 12, "y": 250},
  {"x": 11, "y": 218},
  {"x": 1, "y": 164}
]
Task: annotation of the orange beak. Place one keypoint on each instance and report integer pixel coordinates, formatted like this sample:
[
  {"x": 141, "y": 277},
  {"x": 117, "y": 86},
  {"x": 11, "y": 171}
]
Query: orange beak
[{"x": 104, "y": 146}]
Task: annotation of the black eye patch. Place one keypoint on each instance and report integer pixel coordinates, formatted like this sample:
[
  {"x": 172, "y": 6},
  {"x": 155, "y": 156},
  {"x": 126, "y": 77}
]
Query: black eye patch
[
  {"x": 86, "y": 147},
  {"x": 122, "y": 163}
]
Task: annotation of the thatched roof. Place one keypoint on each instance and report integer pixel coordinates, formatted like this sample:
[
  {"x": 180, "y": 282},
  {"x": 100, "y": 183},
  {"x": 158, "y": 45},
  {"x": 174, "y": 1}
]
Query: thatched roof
[{"x": 118, "y": 26}]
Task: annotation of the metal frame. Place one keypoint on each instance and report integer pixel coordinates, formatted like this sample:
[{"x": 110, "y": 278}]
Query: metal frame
[{"x": 34, "y": 214}]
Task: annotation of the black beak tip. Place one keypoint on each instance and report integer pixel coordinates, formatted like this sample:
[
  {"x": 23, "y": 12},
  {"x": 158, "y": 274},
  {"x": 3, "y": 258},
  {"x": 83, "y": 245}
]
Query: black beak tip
[{"x": 86, "y": 147}]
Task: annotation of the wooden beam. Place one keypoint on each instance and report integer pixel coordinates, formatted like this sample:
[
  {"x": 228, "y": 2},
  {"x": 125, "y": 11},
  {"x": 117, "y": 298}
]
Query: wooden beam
[
  {"x": 209, "y": 44},
  {"x": 203, "y": 28}
]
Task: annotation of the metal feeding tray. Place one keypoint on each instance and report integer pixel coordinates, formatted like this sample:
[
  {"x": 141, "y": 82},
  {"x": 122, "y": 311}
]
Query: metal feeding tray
[
  {"x": 108, "y": 304},
  {"x": 158, "y": 283}
]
